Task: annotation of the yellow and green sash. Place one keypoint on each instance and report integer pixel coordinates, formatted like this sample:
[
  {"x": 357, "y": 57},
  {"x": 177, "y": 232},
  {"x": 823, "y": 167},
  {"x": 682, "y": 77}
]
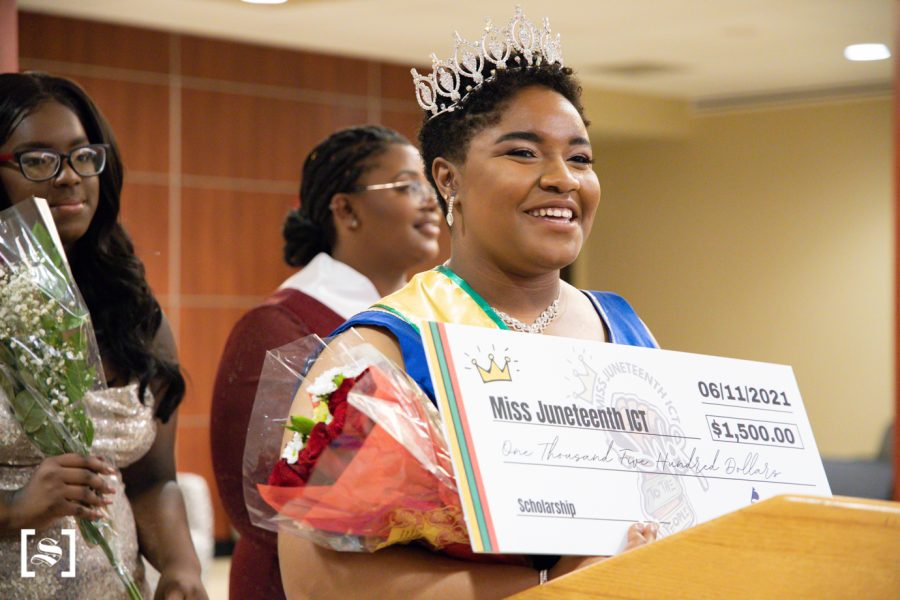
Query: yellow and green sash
[{"x": 440, "y": 295}]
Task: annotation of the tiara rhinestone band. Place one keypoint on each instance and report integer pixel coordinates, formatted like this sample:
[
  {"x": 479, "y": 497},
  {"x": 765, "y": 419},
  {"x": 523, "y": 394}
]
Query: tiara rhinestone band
[{"x": 442, "y": 90}]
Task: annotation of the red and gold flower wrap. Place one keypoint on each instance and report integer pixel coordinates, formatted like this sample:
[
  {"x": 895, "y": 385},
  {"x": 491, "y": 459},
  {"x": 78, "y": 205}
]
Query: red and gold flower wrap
[{"x": 367, "y": 484}]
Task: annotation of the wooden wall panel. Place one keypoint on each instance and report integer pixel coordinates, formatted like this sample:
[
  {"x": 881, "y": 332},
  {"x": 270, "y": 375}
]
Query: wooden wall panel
[
  {"x": 192, "y": 445},
  {"x": 139, "y": 116},
  {"x": 204, "y": 331},
  {"x": 237, "y": 135},
  {"x": 92, "y": 43},
  {"x": 235, "y": 61},
  {"x": 144, "y": 213},
  {"x": 200, "y": 344},
  {"x": 9, "y": 33},
  {"x": 406, "y": 122},
  {"x": 231, "y": 242},
  {"x": 397, "y": 83}
]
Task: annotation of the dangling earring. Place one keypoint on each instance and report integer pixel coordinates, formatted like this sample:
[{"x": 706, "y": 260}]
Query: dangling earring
[{"x": 450, "y": 202}]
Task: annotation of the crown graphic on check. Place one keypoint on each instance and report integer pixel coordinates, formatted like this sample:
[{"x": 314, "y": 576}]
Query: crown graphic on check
[{"x": 494, "y": 372}]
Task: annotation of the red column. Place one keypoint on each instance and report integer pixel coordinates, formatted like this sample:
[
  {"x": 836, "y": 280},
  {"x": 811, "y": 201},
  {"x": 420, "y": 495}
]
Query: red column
[{"x": 9, "y": 37}]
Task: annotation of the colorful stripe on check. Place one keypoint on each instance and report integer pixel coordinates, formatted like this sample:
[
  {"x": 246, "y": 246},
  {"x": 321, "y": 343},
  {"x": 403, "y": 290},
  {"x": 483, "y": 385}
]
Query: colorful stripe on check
[{"x": 469, "y": 480}]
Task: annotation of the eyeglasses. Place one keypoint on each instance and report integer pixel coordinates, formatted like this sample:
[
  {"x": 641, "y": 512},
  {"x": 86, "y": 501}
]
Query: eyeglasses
[
  {"x": 423, "y": 191},
  {"x": 41, "y": 164}
]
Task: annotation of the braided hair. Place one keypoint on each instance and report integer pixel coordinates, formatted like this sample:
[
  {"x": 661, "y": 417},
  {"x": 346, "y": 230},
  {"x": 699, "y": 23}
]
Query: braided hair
[
  {"x": 333, "y": 167},
  {"x": 448, "y": 135},
  {"x": 110, "y": 276}
]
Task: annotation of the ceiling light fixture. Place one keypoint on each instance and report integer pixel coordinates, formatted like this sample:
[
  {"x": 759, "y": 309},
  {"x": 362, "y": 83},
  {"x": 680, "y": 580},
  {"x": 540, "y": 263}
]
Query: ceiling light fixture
[
  {"x": 861, "y": 52},
  {"x": 264, "y": 1}
]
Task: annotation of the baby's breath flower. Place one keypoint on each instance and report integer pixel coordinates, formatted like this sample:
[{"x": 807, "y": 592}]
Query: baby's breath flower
[
  {"x": 292, "y": 449},
  {"x": 324, "y": 383},
  {"x": 31, "y": 334}
]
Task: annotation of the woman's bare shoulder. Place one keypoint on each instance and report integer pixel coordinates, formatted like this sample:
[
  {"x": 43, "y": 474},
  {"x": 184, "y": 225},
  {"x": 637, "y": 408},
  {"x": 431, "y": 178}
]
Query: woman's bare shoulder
[{"x": 380, "y": 338}]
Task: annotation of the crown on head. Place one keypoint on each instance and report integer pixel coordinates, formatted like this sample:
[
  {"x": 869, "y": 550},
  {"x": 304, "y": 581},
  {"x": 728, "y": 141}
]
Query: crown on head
[
  {"x": 494, "y": 372},
  {"x": 452, "y": 80}
]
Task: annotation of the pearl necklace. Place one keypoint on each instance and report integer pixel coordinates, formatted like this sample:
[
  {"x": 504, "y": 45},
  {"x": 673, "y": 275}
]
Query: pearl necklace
[{"x": 544, "y": 319}]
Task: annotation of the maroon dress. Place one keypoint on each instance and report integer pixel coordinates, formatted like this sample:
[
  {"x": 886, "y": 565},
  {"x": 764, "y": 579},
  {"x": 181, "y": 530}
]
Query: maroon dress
[{"x": 286, "y": 316}]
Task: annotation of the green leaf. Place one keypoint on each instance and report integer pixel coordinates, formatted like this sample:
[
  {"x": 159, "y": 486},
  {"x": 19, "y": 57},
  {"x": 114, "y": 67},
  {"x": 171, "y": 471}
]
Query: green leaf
[
  {"x": 90, "y": 533},
  {"x": 48, "y": 442},
  {"x": 37, "y": 424},
  {"x": 29, "y": 412},
  {"x": 88, "y": 432},
  {"x": 6, "y": 356},
  {"x": 77, "y": 381},
  {"x": 28, "y": 379},
  {"x": 6, "y": 385},
  {"x": 83, "y": 424},
  {"x": 301, "y": 425},
  {"x": 74, "y": 323},
  {"x": 93, "y": 534},
  {"x": 8, "y": 381},
  {"x": 43, "y": 238}
]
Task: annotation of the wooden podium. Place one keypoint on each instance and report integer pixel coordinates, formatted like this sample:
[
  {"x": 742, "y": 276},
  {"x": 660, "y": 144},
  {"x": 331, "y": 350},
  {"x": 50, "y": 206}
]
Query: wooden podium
[{"x": 784, "y": 547}]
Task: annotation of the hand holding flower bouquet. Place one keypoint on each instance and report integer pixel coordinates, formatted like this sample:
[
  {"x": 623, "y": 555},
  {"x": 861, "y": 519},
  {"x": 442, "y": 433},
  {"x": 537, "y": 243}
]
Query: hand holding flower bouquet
[
  {"x": 49, "y": 357},
  {"x": 367, "y": 466}
]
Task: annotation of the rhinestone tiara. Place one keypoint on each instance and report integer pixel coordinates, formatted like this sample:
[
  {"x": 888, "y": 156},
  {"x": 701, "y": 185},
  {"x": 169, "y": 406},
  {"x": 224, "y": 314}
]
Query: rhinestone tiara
[{"x": 442, "y": 90}]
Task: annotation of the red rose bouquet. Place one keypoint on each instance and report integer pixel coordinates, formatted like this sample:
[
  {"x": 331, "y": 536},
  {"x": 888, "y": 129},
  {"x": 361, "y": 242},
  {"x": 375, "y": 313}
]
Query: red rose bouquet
[{"x": 363, "y": 463}]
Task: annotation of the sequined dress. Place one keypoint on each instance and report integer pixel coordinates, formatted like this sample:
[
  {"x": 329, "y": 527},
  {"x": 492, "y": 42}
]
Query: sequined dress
[{"x": 124, "y": 431}]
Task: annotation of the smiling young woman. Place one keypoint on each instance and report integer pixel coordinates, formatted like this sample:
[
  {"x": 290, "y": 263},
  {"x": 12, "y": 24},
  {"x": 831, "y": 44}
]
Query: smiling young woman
[
  {"x": 527, "y": 183},
  {"x": 510, "y": 157},
  {"x": 54, "y": 143},
  {"x": 525, "y": 199},
  {"x": 50, "y": 135},
  {"x": 367, "y": 215}
]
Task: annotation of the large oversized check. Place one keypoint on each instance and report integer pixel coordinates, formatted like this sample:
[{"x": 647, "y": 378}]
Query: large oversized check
[{"x": 560, "y": 444}]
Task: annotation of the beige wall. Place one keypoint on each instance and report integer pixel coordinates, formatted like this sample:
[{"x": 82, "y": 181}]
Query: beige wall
[{"x": 764, "y": 235}]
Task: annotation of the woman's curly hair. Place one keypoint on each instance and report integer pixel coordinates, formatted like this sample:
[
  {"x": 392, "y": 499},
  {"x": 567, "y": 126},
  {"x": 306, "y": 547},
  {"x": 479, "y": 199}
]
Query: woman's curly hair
[{"x": 448, "y": 134}]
